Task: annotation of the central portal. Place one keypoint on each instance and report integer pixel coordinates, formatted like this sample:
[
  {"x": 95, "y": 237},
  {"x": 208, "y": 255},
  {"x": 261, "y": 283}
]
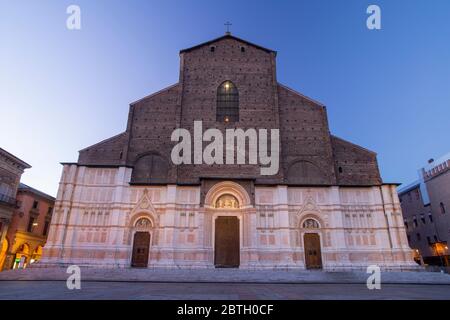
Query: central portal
[{"x": 226, "y": 245}]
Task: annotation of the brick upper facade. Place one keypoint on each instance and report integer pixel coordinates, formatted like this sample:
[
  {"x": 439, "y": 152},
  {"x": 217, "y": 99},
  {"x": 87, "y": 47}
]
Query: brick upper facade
[{"x": 309, "y": 154}]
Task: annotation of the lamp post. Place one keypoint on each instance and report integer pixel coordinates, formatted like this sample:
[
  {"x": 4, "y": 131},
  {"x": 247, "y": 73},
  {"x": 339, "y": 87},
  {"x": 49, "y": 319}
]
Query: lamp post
[{"x": 445, "y": 255}]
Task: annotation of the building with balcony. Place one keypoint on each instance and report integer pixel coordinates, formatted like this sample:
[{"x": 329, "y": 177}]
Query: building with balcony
[{"x": 11, "y": 169}]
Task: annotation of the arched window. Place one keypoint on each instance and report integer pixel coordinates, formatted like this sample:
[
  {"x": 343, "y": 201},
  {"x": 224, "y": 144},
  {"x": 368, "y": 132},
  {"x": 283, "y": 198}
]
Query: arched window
[{"x": 227, "y": 103}]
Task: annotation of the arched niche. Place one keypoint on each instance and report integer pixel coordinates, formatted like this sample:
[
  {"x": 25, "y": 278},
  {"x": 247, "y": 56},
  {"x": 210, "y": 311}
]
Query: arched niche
[
  {"x": 150, "y": 168},
  {"x": 227, "y": 188},
  {"x": 310, "y": 223}
]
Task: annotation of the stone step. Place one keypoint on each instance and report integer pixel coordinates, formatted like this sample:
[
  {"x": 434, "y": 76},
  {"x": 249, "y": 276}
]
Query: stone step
[{"x": 224, "y": 276}]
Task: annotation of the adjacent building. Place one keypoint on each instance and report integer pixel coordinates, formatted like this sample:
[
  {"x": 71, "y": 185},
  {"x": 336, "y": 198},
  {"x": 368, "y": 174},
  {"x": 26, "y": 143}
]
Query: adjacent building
[
  {"x": 426, "y": 211},
  {"x": 29, "y": 227},
  {"x": 125, "y": 202},
  {"x": 11, "y": 169}
]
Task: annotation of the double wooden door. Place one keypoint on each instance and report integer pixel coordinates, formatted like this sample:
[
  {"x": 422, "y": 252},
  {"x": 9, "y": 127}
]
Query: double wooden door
[
  {"x": 141, "y": 248},
  {"x": 313, "y": 255},
  {"x": 226, "y": 244}
]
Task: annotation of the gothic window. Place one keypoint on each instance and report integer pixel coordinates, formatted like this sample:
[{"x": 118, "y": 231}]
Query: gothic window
[
  {"x": 442, "y": 207},
  {"x": 227, "y": 103},
  {"x": 227, "y": 201},
  {"x": 310, "y": 224}
]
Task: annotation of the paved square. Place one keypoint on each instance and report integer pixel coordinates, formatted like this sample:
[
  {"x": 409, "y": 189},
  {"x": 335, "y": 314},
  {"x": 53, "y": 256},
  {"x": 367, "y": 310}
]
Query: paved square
[
  {"x": 215, "y": 291},
  {"x": 223, "y": 284}
]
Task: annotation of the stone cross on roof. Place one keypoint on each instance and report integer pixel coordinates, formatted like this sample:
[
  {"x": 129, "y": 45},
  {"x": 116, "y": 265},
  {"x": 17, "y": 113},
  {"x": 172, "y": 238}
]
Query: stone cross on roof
[{"x": 228, "y": 24}]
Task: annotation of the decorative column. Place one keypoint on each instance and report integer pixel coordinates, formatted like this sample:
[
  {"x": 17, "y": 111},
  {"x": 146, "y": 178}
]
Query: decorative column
[
  {"x": 338, "y": 235},
  {"x": 167, "y": 241},
  {"x": 119, "y": 253},
  {"x": 282, "y": 224}
]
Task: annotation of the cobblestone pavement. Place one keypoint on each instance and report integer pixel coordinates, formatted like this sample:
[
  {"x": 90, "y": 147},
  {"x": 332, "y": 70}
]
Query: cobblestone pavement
[{"x": 223, "y": 291}]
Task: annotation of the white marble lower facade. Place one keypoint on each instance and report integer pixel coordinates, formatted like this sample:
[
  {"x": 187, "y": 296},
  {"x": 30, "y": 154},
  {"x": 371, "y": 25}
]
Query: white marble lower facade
[{"x": 97, "y": 212}]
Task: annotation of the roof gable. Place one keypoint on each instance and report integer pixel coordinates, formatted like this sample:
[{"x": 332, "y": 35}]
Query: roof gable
[{"x": 227, "y": 36}]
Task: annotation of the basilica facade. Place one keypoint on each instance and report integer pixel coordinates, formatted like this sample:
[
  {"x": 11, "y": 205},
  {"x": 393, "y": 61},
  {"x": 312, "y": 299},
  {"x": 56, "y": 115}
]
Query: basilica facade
[{"x": 125, "y": 203}]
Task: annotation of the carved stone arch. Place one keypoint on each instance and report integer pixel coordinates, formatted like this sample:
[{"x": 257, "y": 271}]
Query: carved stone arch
[
  {"x": 227, "y": 187},
  {"x": 150, "y": 167},
  {"x": 132, "y": 228},
  {"x": 143, "y": 209},
  {"x": 142, "y": 215},
  {"x": 310, "y": 217},
  {"x": 303, "y": 172}
]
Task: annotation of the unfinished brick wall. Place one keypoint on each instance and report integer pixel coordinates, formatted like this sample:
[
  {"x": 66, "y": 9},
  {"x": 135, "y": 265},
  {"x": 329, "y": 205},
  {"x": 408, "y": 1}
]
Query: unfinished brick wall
[{"x": 309, "y": 154}]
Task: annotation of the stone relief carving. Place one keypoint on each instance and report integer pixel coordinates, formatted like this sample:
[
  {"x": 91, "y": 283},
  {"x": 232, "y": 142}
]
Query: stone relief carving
[
  {"x": 310, "y": 224},
  {"x": 143, "y": 224},
  {"x": 227, "y": 201}
]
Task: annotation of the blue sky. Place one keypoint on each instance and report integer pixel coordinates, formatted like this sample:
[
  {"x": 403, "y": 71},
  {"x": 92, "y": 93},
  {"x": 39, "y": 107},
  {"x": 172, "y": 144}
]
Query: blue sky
[{"x": 62, "y": 90}]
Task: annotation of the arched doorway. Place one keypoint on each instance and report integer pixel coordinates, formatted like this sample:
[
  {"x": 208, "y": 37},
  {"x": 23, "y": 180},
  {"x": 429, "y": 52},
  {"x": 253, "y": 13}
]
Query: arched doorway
[
  {"x": 311, "y": 245},
  {"x": 226, "y": 240},
  {"x": 21, "y": 257},
  {"x": 229, "y": 211},
  {"x": 141, "y": 243},
  {"x": 36, "y": 255}
]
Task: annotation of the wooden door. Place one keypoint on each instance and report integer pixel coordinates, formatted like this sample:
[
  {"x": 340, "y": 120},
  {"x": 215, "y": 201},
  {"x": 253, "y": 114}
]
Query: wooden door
[
  {"x": 313, "y": 255},
  {"x": 141, "y": 247},
  {"x": 226, "y": 248}
]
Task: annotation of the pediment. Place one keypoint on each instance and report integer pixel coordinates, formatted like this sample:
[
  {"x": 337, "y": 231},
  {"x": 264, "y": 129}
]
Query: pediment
[
  {"x": 309, "y": 206},
  {"x": 144, "y": 204},
  {"x": 227, "y": 36}
]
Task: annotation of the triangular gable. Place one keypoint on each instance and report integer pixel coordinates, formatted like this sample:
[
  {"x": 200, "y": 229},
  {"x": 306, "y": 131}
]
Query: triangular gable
[
  {"x": 227, "y": 36},
  {"x": 308, "y": 206},
  {"x": 144, "y": 204}
]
